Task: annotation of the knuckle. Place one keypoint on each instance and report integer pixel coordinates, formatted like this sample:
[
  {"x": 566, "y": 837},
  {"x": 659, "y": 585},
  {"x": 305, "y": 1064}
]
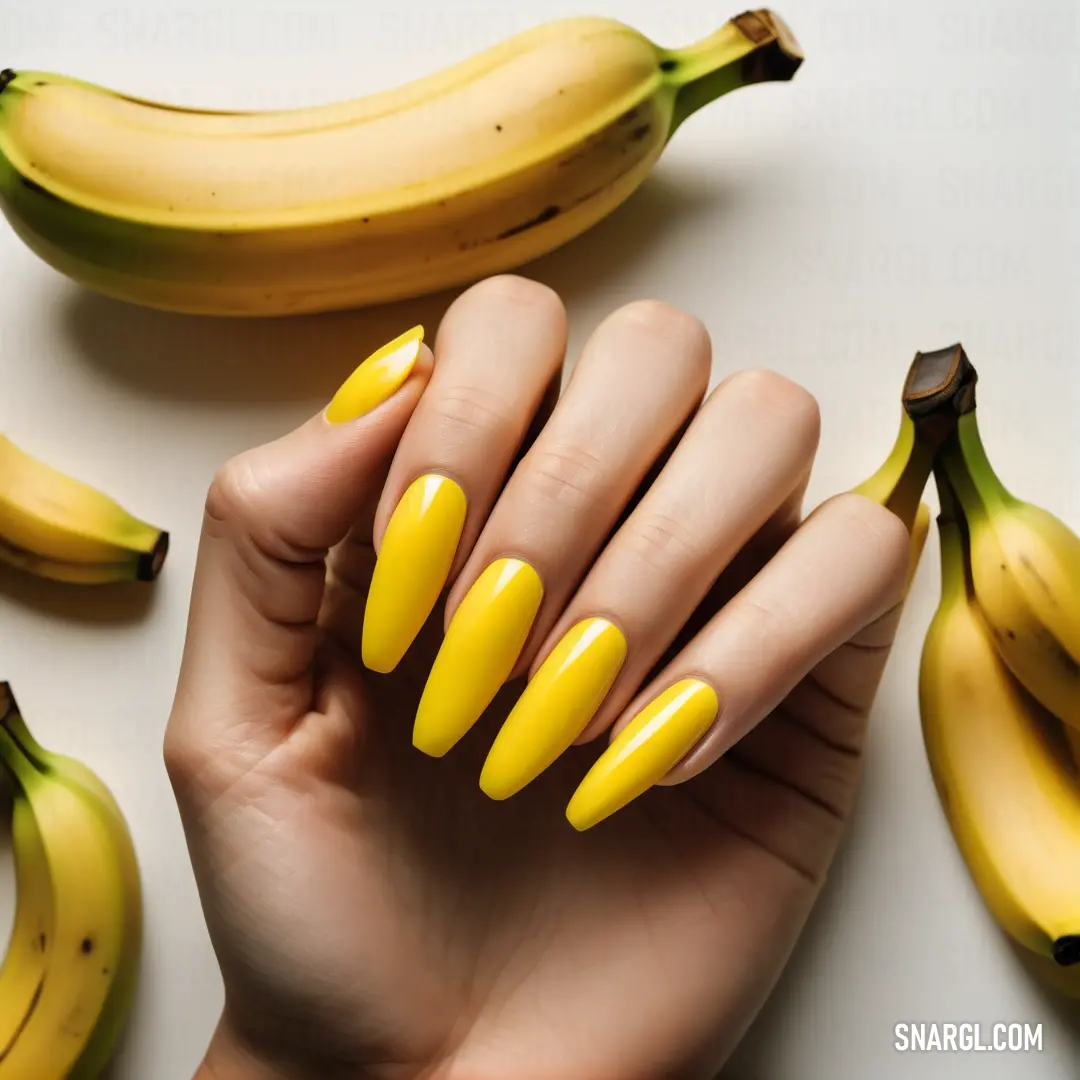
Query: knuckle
[
  {"x": 662, "y": 541},
  {"x": 471, "y": 411},
  {"x": 234, "y": 493},
  {"x": 570, "y": 475}
]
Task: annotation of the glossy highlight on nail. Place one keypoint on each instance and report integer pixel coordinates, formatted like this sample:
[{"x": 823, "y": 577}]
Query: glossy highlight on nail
[
  {"x": 481, "y": 647},
  {"x": 415, "y": 557},
  {"x": 377, "y": 379},
  {"x": 645, "y": 751},
  {"x": 555, "y": 707}
]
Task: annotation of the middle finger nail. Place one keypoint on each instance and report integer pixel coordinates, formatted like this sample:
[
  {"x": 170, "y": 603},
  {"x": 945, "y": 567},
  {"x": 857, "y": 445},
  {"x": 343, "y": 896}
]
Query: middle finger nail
[
  {"x": 556, "y": 706},
  {"x": 481, "y": 647}
]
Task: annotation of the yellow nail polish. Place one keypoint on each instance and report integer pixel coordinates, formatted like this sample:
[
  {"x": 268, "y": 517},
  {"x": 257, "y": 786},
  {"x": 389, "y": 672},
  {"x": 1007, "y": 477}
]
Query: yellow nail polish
[
  {"x": 482, "y": 645},
  {"x": 417, "y": 552},
  {"x": 556, "y": 706},
  {"x": 645, "y": 751},
  {"x": 377, "y": 378}
]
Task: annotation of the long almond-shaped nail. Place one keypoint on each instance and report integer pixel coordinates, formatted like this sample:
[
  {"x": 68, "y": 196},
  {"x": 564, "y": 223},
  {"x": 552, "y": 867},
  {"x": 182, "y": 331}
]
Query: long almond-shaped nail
[
  {"x": 377, "y": 378},
  {"x": 481, "y": 647},
  {"x": 417, "y": 552},
  {"x": 645, "y": 751},
  {"x": 555, "y": 707}
]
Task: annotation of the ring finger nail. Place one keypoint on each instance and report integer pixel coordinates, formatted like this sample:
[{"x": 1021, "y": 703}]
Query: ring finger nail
[
  {"x": 415, "y": 557},
  {"x": 482, "y": 645},
  {"x": 556, "y": 706},
  {"x": 645, "y": 751}
]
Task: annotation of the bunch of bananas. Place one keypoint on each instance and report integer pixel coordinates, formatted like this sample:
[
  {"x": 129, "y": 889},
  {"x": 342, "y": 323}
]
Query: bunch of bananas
[
  {"x": 469, "y": 171},
  {"x": 71, "y": 969},
  {"x": 999, "y": 681}
]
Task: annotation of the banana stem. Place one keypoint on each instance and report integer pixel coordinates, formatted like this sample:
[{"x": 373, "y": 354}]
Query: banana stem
[
  {"x": 974, "y": 481},
  {"x": 19, "y": 764},
  {"x": 955, "y": 569},
  {"x": 751, "y": 48},
  {"x": 990, "y": 488},
  {"x": 908, "y": 493}
]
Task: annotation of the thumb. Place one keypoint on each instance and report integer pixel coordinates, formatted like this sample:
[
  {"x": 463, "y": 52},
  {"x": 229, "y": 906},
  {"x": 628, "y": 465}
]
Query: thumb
[{"x": 272, "y": 514}]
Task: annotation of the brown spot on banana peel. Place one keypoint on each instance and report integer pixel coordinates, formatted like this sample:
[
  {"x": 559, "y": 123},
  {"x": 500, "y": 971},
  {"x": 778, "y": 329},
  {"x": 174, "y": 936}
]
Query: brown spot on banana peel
[{"x": 1050, "y": 644}]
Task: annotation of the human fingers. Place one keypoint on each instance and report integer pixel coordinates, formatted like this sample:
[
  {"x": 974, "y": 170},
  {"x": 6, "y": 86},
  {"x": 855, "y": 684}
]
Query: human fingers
[
  {"x": 843, "y": 568},
  {"x": 271, "y": 516},
  {"x": 641, "y": 374},
  {"x": 744, "y": 457},
  {"x": 498, "y": 349}
]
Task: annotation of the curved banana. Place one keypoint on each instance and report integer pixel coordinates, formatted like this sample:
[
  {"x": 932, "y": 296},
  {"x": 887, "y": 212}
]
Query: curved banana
[
  {"x": 470, "y": 171},
  {"x": 22, "y": 973},
  {"x": 90, "y": 922},
  {"x": 1025, "y": 566},
  {"x": 57, "y": 527},
  {"x": 1001, "y": 770}
]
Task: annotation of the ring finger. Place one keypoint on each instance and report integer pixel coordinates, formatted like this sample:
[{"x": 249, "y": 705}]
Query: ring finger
[{"x": 842, "y": 569}]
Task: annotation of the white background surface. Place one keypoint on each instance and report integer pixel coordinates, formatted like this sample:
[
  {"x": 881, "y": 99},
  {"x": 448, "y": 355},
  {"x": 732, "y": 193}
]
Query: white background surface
[{"x": 916, "y": 185}]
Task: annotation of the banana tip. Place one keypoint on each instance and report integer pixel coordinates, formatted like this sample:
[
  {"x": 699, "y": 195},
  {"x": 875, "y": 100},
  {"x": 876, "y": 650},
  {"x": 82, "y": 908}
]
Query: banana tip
[
  {"x": 151, "y": 562},
  {"x": 6, "y": 76},
  {"x": 1067, "y": 950}
]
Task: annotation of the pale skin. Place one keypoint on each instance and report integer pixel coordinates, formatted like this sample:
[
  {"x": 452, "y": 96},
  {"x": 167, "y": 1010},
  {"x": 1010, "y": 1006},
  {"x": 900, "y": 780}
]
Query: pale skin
[{"x": 374, "y": 913}]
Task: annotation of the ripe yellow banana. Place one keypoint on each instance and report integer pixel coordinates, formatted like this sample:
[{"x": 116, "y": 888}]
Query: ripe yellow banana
[
  {"x": 469, "y": 171},
  {"x": 1000, "y": 766},
  {"x": 70, "y": 975},
  {"x": 1026, "y": 571},
  {"x": 57, "y": 527}
]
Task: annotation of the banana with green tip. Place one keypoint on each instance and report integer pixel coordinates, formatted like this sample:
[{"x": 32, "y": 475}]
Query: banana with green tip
[
  {"x": 470, "y": 171},
  {"x": 57, "y": 527},
  {"x": 70, "y": 975}
]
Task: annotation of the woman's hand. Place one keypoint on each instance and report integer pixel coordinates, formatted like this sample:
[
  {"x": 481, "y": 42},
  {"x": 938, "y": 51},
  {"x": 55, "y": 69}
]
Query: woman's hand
[{"x": 638, "y": 550}]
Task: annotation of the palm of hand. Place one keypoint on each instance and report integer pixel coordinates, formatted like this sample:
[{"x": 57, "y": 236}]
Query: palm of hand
[{"x": 379, "y": 915}]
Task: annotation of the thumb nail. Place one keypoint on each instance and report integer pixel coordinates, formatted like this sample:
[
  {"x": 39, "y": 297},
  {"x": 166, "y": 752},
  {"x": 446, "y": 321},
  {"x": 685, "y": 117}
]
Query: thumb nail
[{"x": 378, "y": 378}]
